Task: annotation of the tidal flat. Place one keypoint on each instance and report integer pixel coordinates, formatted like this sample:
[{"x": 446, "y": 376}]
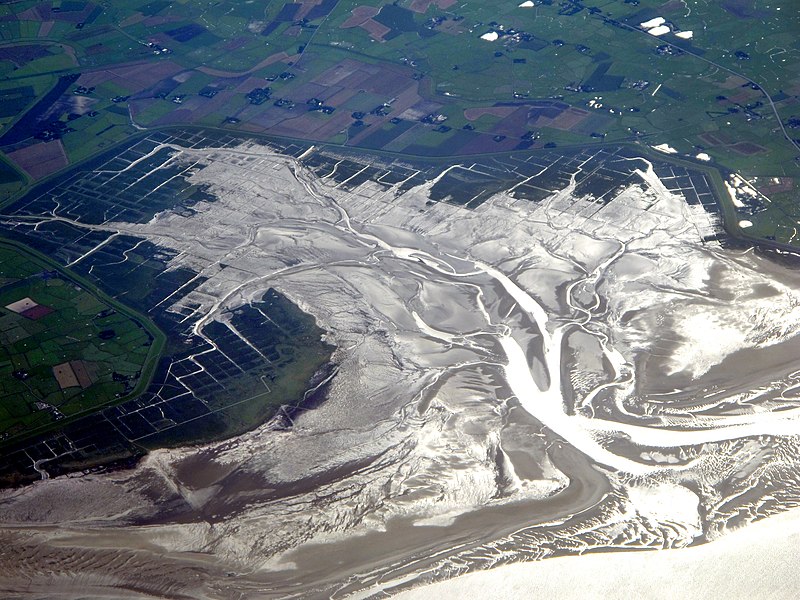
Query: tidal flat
[{"x": 516, "y": 380}]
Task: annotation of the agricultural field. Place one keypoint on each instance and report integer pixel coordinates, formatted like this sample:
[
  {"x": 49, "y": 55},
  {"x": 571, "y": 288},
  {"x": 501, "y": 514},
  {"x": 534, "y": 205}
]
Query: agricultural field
[
  {"x": 63, "y": 351},
  {"x": 425, "y": 78}
]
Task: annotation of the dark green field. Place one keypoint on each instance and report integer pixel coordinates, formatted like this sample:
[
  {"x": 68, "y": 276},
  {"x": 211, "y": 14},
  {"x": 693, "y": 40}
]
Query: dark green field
[{"x": 97, "y": 352}]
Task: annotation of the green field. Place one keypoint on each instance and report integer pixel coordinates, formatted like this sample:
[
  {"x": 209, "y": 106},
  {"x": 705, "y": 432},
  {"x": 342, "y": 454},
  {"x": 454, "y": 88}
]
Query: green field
[{"x": 99, "y": 352}]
